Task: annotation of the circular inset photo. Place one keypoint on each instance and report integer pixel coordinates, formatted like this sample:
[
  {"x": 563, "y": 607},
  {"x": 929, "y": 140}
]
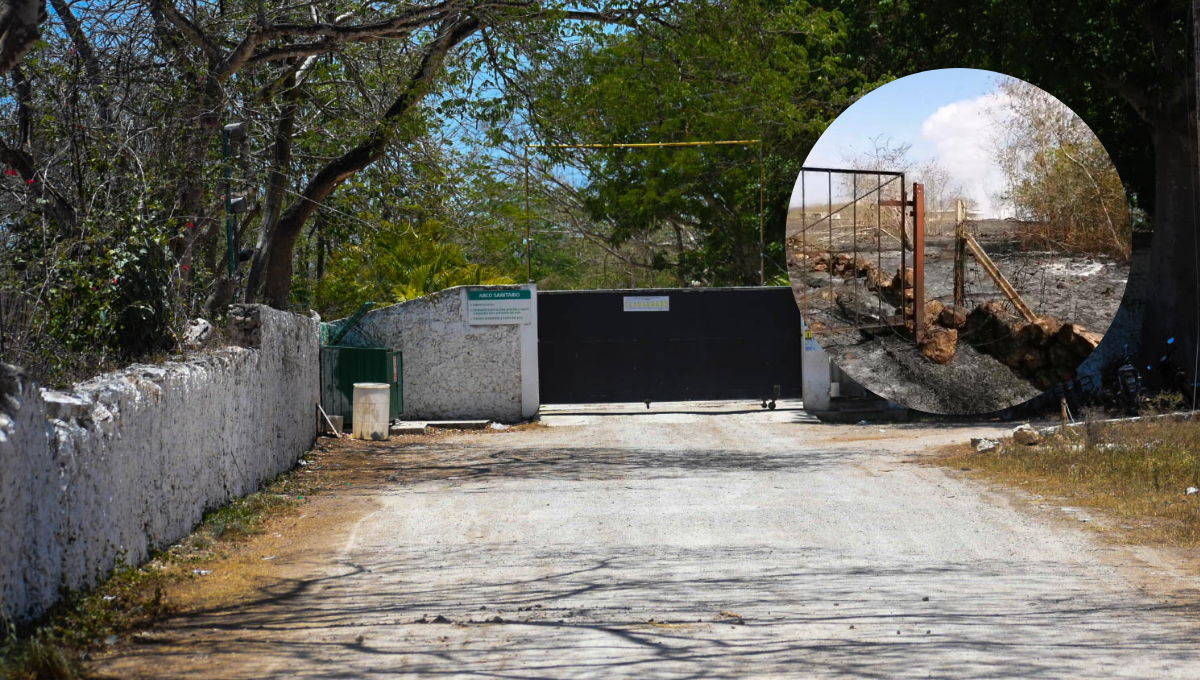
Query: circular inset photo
[{"x": 958, "y": 241}]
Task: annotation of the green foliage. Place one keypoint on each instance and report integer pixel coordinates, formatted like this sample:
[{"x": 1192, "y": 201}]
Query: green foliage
[
  {"x": 395, "y": 264},
  {"x": 90, "y": 302},
  {"x": 727, "y": 70},
  {"x": 1121, "y": 66}
]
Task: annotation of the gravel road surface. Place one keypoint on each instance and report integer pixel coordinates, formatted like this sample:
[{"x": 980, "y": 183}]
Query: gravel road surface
[{"x": 685, "y": 541}]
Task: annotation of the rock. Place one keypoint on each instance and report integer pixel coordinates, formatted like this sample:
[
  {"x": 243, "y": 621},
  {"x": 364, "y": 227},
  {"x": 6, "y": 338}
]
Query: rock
[
  {"x": 1040, "y": 333},
  {"x": 1046, "y": 379},
  {"x": 844, "y": 264},
  {"x": 982, "y": 444},
  {"x": 1061, "y": 355},
  {"x": 1026, "y": 435},
  {"x": 441, "y": 619},
  {"x": 939, "y": 344},
  {"x": 66, "y": 407},
  {"x": 863, "y": 266},
  {"x": 994, "y": 330},
  {"x": 875, "y": 280},
  {"x": 198, "y": 334}
]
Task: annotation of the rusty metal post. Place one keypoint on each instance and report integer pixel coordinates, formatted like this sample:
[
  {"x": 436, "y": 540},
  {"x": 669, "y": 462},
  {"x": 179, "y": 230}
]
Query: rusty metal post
[
  {"x": 804, "y": 250},
  {"x": 960, "y": 255},
  {"x": 879, "y": 245},
  {"x": 919, "y": 261},
  {"x": 854, "y": 254},
  {"x": 829, "y": 218},
  {"x": 903, "y": 247}
]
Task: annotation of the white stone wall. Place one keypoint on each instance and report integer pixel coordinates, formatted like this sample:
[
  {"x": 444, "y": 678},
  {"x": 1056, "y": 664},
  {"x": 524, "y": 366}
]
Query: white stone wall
[
  {"x": 129, "y": 462},
  {"x": 453, "y": 369}
]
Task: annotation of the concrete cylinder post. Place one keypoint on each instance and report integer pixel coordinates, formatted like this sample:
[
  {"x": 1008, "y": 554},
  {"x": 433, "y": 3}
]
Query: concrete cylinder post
[
  {"x": 814, "y": 374},
  {"x": 371, "y": 410}
]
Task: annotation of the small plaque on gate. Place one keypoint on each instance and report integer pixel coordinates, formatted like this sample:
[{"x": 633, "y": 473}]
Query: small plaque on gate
[{"x": 660, "y": 303}]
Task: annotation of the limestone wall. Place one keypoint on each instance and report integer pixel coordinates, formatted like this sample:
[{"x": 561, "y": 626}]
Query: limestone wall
[
  {"x": 453, "y": 369},
  {"x": 129, "y": 461}
]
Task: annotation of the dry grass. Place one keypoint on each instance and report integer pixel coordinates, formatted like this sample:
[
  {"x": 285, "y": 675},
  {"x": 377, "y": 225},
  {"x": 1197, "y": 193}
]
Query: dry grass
[{"x": 1136, "y": 472}]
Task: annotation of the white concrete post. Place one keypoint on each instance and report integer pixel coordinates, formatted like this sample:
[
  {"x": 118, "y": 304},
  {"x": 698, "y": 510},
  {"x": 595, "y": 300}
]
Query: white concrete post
[
  {"x": 814, "y": 378},
  {"x": 530, "y": 395}
]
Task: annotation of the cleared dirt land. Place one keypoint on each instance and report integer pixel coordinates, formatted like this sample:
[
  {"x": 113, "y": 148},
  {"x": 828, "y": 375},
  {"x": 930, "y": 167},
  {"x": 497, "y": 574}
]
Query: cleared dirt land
[
  {"x": 1075, "y": 289},
  {"x": 682, "y": 541}
]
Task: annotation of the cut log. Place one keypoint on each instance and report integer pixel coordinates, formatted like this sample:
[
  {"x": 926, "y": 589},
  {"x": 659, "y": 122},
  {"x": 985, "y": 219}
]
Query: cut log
[
  {"x": 1042, "y": 332},
  {"x": 933, "y": 310},
  {"x": 1034, "y": 359},
  {"x": 1081, "y": 341},
  {"x": 953, "y": 316}
]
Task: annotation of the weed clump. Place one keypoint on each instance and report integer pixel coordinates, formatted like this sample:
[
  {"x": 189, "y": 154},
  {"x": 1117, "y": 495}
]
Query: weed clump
[{"x": 1139, "y": 472}]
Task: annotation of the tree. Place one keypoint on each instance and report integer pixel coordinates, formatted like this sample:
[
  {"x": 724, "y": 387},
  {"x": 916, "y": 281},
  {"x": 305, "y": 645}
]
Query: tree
[
  {"x": 720, "y": 70},
  {"x": 19, "y": 21},
  {"x": 1059, "y": 175},
  {"x": 1124, "y": 67}
]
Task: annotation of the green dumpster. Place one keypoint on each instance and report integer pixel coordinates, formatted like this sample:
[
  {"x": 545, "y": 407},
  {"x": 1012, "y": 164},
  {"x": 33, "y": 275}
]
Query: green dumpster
[{"x": 341, "y": 367}]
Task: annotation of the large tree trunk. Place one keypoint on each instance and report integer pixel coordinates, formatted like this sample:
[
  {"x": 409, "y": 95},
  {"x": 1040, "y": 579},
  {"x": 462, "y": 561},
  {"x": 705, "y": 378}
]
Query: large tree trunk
[
  {"x": 1171, "y": 305},
  {"x": 276, "y": 189},
  {"x": 19, "y": 20}
]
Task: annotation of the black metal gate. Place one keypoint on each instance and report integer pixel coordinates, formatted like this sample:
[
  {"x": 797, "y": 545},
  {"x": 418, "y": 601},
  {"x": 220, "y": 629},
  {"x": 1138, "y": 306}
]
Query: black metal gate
[{"x": 668, "y": 345}]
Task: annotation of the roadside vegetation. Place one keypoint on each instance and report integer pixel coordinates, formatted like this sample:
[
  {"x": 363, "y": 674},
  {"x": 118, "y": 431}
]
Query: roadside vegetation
[
  {"x": 383, "y": 148},
  {"x": 1060, "y": 179},
  {"x": 1137, "y": 473}
]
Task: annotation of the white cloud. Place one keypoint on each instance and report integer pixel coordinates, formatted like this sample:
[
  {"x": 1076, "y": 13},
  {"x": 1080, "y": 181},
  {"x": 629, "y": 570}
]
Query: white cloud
[{"x": 963, "y": 134}]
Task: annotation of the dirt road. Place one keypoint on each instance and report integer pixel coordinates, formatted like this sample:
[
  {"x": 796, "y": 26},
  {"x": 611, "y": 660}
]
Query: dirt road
[{"x": 685, "y": 541}]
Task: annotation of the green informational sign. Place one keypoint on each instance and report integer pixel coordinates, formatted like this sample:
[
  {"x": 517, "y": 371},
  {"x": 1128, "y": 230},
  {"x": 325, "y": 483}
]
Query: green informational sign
[{"x": 486, "y": 307}]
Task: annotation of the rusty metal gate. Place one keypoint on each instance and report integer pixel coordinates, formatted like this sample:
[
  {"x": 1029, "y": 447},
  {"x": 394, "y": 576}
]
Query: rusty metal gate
[{"x": 835, "y": 237}]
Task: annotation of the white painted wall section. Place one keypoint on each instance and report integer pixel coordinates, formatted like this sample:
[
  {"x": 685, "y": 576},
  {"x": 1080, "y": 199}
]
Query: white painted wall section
[
  {"x": 455, "y": 369},
  {"x": 129, "y": 461}
]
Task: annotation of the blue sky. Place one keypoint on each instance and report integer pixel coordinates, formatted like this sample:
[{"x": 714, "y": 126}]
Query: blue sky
[{"x": 945, "y": 114}]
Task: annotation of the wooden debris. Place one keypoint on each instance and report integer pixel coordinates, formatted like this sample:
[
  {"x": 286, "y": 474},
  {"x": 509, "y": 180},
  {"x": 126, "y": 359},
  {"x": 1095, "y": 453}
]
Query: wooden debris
[{"x": 953, "y": 316}]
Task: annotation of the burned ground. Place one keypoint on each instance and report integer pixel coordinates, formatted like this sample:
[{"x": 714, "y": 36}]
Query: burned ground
[{"x": 1079, "y": 289}]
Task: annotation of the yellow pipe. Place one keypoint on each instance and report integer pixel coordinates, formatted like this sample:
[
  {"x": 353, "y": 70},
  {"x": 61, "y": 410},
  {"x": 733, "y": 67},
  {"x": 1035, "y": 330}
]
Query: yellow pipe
[
  {"x": 528, "y": 246},
  {"x": 643, "y": 145}
]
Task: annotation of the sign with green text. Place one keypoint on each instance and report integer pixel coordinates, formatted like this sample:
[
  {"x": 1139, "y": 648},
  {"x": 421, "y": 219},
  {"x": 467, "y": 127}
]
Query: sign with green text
[{"x": 485, "y": 307}]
